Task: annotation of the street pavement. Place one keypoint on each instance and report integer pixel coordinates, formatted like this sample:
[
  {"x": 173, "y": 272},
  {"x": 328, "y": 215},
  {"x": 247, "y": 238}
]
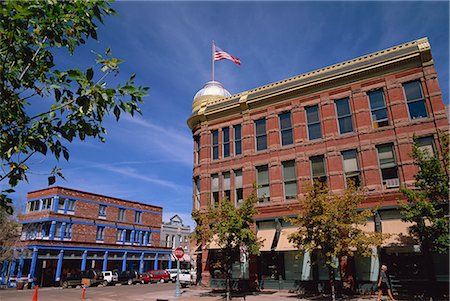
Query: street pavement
[{"x": 157, "y": 292}]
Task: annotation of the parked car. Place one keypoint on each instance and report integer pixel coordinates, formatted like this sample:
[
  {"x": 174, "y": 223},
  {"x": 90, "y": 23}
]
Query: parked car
[
  {"x": 128, "y": 277},
  {"x": 159, "y": 276},
  {"x": 75, "y": 279},
  {"x": 110, "y": 277},
  {"x": 185, "y": 278},
  {"x": 173, "y": 274},
  {"x": 144, "y": 278}
]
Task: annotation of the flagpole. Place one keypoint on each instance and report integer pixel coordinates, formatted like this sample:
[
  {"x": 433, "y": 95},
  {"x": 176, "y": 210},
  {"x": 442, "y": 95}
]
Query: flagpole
[{"x": 212, "y": 60}]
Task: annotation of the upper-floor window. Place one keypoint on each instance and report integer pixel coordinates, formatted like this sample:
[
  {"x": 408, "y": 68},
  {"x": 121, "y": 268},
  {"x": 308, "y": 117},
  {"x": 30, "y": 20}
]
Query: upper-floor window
[
  {"x": 318, "y": 169},
  {"x": 197, "y": 193},
  {"x": 215, "y": 144},
  {"x": 128, "y": 236},
  {"x": 101, "y": 210},
  {"x": 415, "y": 100},
  {"x": 313, "y": 120},
  {"x": 426, "y": 145},
  {"x": 351, "y": 167},
  {"x": 68, "y": 231},
  {"x": 378, "y": 108},
  {"x": 33, "y": 206},
  {"x": 138, "y": 217},
  {"x": 262, "y": 181},
  {"x": 46, "y": 229},
  {"x": 388, "y": 165},
  {"x": 100, "y": 233},
  {"x": 261, "y": 135},
  {"x": 289, "y": 180},
  {"x": 215, "y": 189},
  {"x": 197, "y": 149},
  {"x": 239, "y": 192},
  {"x": 237, "y": 139},
  {"x": 344, "y": 115},
  {"x": 226, "y": 142},
  {"x": 61, "y": 204},
  {"x": 70, "y": 205},
  {"x": 47, "y": 204},
  {"x": 286, "y": 128},
  {"x": 122, "y": 214},
  {"x": 120, "y": 234},
  {"x": 226, "y": 185}
]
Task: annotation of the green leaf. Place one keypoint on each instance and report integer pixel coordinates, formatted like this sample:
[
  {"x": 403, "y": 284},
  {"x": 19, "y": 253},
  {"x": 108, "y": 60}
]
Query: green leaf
[
  {"x": 51, "y": 180},
  {"x": 89, "y": 74},
  {"x": 117, "y": 112}
]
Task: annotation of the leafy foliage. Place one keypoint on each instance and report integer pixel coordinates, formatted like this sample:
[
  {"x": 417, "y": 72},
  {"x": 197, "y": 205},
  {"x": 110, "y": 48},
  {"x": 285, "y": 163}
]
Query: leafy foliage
[
  {"x": 30, "y": 33},
  {"x": 427, "y": 206},
  {"x": 229, "y": 226},
  {"x": 330, "y": 224}
]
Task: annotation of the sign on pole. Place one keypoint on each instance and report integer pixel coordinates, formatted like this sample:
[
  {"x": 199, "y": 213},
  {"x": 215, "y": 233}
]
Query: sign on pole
[{"x": 179, "y": 253}]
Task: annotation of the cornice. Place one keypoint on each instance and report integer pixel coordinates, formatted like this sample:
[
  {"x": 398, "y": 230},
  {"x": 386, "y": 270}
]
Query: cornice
[{"x": 415, "y": 53}]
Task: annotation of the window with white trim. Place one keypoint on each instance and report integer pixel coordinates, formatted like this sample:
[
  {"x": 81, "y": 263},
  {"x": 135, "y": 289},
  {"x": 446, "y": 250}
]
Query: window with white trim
[
  {"x": 313, "y": 121},
  {"x": 289, "y": 180},
  {"x": 260, "y": 134},
  {"x": 378, "y": 108},
  {"x": 215, "y": 144},
  {"x": 344, "y": 116},
  {"x": 388, "y": 166},
  {"x": 214, "y": 190},
  {"x": 415, "y": 100},
  {"x": 286, "y": 128},
  {"x": 351, "y": 167},
  {"x": 262, "y": 181}
]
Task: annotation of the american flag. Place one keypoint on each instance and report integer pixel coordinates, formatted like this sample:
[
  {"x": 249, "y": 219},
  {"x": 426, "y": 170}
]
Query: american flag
[{"x": 219, "y": 54}]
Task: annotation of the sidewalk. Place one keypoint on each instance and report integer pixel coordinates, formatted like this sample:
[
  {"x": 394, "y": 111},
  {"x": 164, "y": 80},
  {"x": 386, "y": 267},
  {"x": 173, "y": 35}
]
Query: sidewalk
[{"x": 195, "y": 294}]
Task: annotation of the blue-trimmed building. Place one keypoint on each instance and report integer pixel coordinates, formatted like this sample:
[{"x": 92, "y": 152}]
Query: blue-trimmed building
[{"x": 66, "y": 231}]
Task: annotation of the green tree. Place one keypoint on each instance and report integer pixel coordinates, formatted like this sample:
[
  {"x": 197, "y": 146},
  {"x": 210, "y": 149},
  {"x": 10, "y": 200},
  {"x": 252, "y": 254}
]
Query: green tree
[
  {"x": 330, "y": 225},
  {"x": 231, "y": 227},
  {"x": 427, "y": 204},
  {"x": 42, "y": 107}
]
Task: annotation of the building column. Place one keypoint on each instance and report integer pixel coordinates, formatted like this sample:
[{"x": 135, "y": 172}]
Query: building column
[
  {"x": 170, "y": 261},
  {"x": 20, "y": 268},
  {"x": 141, "y": 263},
  {"x": 124, "y": 262},
  {"x": 132, "y": 236},
  {"x": 306, "y": 269},
  {"x": 105, "y": 261},
  {"x": 146, "y": 238},
  {"x": 155, "y": 264},
  {"x": 83, "y": 261},
  {"x": 55, "y": 203},
  {"x": 374, "y": 265},
  {"x": 3, "y": 274},
  {"x": 63, "y": 229},
  {"x": 52, "y": 230},
  {"x": 34, "y": 259},
  {"x": 59, "y": 266},
  {"x": 12, "y": 269}
]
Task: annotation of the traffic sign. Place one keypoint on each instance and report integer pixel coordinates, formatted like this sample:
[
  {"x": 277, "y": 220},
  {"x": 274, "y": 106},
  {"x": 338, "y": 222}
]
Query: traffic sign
[{"x": 179, "y": 253}]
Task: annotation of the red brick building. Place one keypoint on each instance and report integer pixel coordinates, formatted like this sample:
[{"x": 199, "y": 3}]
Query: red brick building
[
  {"x": 66, "y": 230},
  {"x": 351, "y": 121}
]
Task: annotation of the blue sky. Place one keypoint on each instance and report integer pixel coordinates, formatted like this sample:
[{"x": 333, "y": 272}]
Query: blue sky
[{"x": 168, "y": 45}]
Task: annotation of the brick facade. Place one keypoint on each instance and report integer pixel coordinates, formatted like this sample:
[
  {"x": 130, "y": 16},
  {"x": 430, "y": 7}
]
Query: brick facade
[{"x": 387, "y": 71}]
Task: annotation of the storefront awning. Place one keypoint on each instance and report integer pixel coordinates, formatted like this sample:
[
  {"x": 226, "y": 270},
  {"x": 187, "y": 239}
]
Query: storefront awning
[
  {"x": 399, "y": 231},
  {"x": 267, "y": 236},
  {"x": 283, "y": 241},
  {"x": 368, "y": 227}
]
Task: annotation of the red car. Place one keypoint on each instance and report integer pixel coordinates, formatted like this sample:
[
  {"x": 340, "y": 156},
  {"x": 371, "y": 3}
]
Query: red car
[
  {"x": 144, "y": 278},
  {"x": 159, "y": 276}
]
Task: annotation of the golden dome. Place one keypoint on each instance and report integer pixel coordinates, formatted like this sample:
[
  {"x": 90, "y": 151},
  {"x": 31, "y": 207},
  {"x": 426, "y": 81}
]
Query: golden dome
[{"x": 211, "y": 90}]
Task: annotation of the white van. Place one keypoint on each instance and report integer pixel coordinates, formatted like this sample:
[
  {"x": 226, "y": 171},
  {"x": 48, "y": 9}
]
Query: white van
[{"x": 110, "y": 277}]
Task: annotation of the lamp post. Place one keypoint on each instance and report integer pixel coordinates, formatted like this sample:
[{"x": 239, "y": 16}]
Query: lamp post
[{"x": 179, "y": 253}]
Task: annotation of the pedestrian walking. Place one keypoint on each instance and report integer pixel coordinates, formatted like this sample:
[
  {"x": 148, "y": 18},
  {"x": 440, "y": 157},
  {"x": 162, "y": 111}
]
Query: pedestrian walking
[{"x": 384, "y": 284}]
